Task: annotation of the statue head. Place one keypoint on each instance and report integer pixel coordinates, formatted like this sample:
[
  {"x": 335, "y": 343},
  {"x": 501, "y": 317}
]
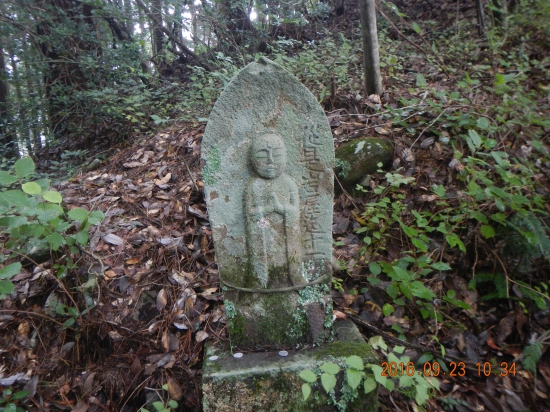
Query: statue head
[{"x": 268, "y": 155}]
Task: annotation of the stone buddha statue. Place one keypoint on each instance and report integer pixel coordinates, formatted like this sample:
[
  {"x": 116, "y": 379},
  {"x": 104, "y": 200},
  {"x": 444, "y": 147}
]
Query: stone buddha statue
[{"x": 272, "y": 215}]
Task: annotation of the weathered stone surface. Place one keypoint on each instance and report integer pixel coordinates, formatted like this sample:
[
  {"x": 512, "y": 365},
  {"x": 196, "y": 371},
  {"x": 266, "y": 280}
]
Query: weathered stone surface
[
  {"x": 266, "y": 382},
  {"x": 268, "y": 158},
  {"x": 359, "y": 158}
]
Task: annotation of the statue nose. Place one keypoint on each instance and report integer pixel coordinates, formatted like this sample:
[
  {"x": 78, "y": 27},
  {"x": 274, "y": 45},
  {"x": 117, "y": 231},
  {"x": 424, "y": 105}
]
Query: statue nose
[{"x": 269, "y": 158}]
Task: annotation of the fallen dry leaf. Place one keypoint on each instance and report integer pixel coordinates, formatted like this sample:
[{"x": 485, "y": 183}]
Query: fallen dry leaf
[
  {"x": 162, "y": 299},
  {"x": 201, "y": 335},
  {"x": 112, "y": 239},
  {"x": 174, "y": 390}
]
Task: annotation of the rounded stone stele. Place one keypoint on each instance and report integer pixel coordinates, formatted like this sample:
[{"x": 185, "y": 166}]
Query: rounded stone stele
[{"x": 268, "y": 159}]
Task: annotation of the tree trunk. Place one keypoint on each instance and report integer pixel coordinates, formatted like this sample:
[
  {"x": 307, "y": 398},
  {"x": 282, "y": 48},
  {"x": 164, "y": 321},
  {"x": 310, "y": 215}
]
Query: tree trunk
[
  {"x": 8, "y": 141},
  {"x": 480, "y": 17},
  {"x": 158, "y": 35},
  {"x": 22, "y": 121},
  {"x": 371, "y": 57},
  {"x": 34, "y": 120}
]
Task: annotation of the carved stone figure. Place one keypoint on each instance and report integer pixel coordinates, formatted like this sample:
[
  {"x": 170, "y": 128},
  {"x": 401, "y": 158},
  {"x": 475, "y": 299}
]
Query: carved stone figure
[
  {"x": 268, "y": 157},
  {"x": 272, "y": 213}
]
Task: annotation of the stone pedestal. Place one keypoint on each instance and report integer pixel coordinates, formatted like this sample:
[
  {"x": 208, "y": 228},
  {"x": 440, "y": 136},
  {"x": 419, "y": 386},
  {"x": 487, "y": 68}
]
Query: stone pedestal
[{"x": 267, "y": 382}]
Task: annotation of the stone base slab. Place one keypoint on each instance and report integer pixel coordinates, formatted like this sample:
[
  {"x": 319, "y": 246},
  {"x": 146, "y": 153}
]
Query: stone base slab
[{"x": 267, "y": 382}]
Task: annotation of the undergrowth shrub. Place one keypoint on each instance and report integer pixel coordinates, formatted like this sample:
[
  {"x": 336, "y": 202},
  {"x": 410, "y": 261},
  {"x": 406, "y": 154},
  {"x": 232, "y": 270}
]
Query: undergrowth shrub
[{"x": 34, "y": 222}]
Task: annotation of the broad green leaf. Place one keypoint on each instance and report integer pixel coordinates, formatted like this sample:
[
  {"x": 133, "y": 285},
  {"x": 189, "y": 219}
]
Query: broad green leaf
[
  {"x": 6, "y": 287},
  {"x": 14, "y": 198},
  {"x": 51, "y": 196},
  {"x": 158, "y": 406},
  {"x": 24, "y": 167},
  {"x": 369, "y": 385},
  {"x": 421, "y": 395},
  {"x": 399, "y": 349},
  {"x": 355, "y": 362},
  {"x": 389, "y": 385},
  {"x": 451, "y": 294},
  {"x": 440, "y": 191},
  {"x": 416, "y": 28},
  {"x": 89, "y": 284},
  {"x": 401, "y": 274},
  {"x": 454, "y": 240},
  {"x": 411, "y": 232},
  {"x": 78, "y": 214},
  {"x": 96, "y": 216},
  {"x": 419, "y": 244},
  {"x": 387, "y": 309},
  {"x": 172, "y": 404},
  {"x": 308, "y": 376},
  {"x": 31, "y": 188},
  {"x": 354, "y": 378},
  {"x": 6, "y": 179},
  {"x": 441, "y": 266},
  {"x": 375, "y": 268},
  {"x": 9, "y": 271},
  {"x": 329, "y": 381},
  {"x": 46, "y": 215},
  {"x": 480, "y": 217},
  {"x": 82, "y": 237},
  {"x": 499, "y": 79},
  {"x": 55, "y": 240},
  {"x": 419, "y": 290},
  {"x": 420, "y": 80},
  {"x": 377, "y": 371},
  {"x": 426, "y": 357},
  {"x": 330, "y": 367},
  {"x": 487, "y": 231},
  {"x": 476, "y": 138},
  {"x": 306, "y": 391},
  {"x": 44, "y": 183},
  {"x": 490, "y": 143},
  {"x": 392, "y": 290},
  {"x": 483, "y": 123},
  {"x": 73, "y": 312},
  {"x": 19, "y": 395},
  {"x": 405, "y": 381},
  {"x": 13, "y": 221},
  {"x": 378, "y": 341}
]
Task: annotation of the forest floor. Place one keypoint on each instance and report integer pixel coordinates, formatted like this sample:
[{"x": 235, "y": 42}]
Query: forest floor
[{"x": 150, "y": 281}]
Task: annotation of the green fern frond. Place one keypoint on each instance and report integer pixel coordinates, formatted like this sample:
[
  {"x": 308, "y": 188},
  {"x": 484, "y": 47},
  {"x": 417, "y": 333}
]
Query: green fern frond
[
  {"x": 489, "y": 296},
  {"x": 531, "y": 355},
  {"x": 480, "y": 278},
  {"x": 528, "y": 237},
  {"x": 501, "y": 285},
  {"x": 525, "y": 290}
]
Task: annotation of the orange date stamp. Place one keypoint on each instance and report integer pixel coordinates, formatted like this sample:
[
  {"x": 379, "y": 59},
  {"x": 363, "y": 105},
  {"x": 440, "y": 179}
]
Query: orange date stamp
[{"x": 394, "y": 369}]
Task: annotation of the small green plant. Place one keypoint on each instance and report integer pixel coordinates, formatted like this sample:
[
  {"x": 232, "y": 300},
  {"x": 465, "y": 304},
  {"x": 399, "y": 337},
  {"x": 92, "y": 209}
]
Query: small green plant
[
  {"x": 168, "y": 406},
  {"x": 354, "y": 374},
  {"x": 410, "y": 382},
  {"x": 33, "y": 218},
  {"x": 533, "y": 352},
  {"x": 9, "y": 400}
]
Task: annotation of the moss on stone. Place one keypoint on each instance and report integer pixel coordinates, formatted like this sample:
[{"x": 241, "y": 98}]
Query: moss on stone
[
  {"x": 212, "y": 165},
  {"x": 359, "y": 158},
  {"x": 345, "y": 349}
]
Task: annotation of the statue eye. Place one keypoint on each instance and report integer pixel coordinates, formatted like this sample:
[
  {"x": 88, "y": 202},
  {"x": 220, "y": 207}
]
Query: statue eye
[{"x": 261, "y": 155}]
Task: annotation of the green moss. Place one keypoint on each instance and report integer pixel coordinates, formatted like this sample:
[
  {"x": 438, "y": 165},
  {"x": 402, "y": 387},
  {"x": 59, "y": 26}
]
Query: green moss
[
  {"x": 235, "y": 322},
  {"x": 345, "y": 349},
  {"x": 211, "y": 166},
  {"x": 343, "y": 167}
]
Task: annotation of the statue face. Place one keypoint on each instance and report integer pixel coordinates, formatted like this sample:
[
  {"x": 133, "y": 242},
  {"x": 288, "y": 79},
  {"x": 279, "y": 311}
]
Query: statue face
[{"x": 268, "y": 156}]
